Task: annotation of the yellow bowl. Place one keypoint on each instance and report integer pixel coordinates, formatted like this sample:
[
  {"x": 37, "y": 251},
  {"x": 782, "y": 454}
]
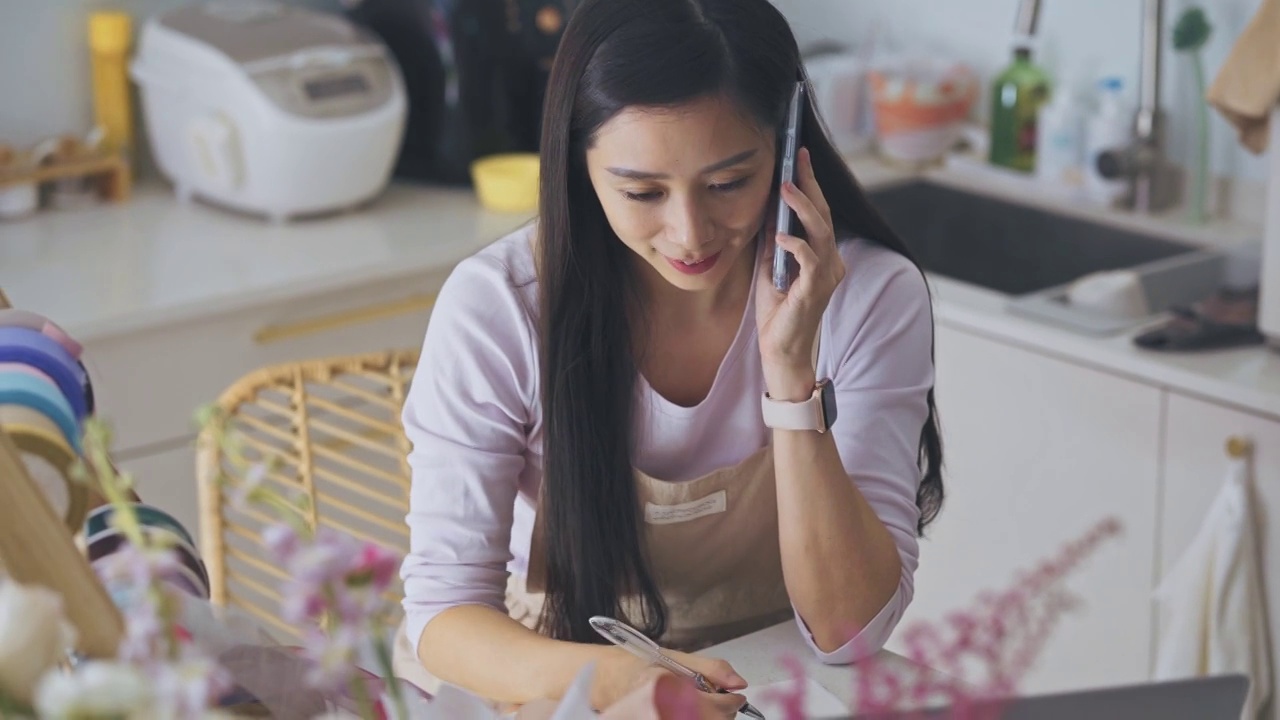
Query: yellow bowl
[{"x": 507, "y": 182}]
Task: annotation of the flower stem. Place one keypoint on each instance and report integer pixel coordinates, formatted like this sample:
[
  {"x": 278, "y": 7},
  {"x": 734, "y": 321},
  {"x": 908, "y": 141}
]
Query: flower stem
[
  {"x": 361, "y": 695},
  {"x": 388, "y": 676},
  {"x": 97, "y": 438}
]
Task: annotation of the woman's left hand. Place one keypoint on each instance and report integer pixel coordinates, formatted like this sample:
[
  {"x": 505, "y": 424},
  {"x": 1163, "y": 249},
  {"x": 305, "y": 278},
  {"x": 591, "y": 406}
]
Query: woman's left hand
[{"x": 788, "y": 322}]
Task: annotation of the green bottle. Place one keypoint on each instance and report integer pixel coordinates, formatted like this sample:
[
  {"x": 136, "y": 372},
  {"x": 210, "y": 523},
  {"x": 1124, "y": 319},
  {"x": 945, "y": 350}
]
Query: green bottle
[{"x": 1016, "y": 98}]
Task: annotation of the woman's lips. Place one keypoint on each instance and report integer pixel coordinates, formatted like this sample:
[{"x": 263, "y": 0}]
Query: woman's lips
[{"x": 696, "y": 268}]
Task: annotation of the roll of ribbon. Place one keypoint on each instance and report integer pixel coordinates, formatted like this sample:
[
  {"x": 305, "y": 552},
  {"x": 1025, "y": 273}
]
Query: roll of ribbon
[
  {"x": 31, "y": 392},
  {"x": 100, "y": 519},
  {"x": 109, "y": 541},
  {"x": 13, "y": 317},
  {"x": 24, "y": 345},
  {"x": 26, "y": 369},
  {"x": 179, "y": 576},
  {"x": 48, "y": 458},
  {"x": 89, "y": 403}
]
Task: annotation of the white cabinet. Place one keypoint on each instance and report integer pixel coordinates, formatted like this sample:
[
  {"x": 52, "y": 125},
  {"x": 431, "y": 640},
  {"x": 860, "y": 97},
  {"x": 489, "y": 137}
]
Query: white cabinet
[
  {"x": 1195, "y": 466},
  {"x": 150, "y": 383},
  {"x": 1036, "y": 452}
]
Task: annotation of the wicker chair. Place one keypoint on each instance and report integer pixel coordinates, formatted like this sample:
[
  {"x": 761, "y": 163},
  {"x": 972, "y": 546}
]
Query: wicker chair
[{"x": 335, "y": 426}]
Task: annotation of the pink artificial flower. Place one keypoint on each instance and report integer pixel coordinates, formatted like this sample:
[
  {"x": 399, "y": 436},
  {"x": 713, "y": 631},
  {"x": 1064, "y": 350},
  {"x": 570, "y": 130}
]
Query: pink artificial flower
[
  {"x": 333, "y": 658},
  {"x": 793, "y": 701},
  {"x": 320, "y": 563},
  {"x": 355, "y": 606},
  {"x": 246, "y": 491},
  {"x": 281, "y": 541},
  {"x": 375, "y": 565},
  {"x": 302, "y": 603},
  {"x": 142, "y": 635},
  {"x": 131, "y": 568},
  {"x": 189, "y": 686}
]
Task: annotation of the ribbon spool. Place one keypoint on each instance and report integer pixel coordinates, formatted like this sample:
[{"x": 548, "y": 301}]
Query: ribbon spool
[
  {"x": 104, "y": 539},
  {"x": 48, "y": 459},
  {"x": 31, "y": 347},
  {"x": 27, "y": 390},
  {"x": 13, "y": 317}
]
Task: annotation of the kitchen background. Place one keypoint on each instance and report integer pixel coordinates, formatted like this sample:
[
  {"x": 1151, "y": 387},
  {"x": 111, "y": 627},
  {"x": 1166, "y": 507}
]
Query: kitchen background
[
  {"x": 1048, "y": 428},
  {"x": 1081, "y": 39}
]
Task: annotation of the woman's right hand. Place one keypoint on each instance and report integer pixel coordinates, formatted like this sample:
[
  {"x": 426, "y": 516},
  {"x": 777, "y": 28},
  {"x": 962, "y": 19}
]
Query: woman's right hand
[{"x": 622, "y": 674}]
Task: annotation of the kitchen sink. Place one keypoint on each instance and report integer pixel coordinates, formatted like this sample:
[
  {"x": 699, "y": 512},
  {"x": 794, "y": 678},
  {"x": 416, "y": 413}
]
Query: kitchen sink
[{"x": 1033, "y": 255}]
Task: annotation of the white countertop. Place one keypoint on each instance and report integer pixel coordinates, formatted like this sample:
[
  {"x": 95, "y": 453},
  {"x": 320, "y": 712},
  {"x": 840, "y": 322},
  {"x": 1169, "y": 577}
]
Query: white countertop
[
  {"x": 104, "y": 271},
  {"x": 113, "y": 269}
]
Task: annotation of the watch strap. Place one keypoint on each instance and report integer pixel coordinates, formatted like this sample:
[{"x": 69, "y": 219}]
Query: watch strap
[{"x": 804, "y": 415}]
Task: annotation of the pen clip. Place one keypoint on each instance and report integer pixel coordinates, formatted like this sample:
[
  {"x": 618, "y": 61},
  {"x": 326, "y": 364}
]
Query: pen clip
[{"x": 628, "y": 638}]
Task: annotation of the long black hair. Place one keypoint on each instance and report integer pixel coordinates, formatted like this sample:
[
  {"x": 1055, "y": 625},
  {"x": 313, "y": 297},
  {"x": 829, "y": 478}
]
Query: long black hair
[{"x": 616, "y": 54}]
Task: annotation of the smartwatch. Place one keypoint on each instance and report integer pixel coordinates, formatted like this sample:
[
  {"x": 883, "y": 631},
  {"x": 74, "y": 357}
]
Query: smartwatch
[{"x": 818, "y": 412}]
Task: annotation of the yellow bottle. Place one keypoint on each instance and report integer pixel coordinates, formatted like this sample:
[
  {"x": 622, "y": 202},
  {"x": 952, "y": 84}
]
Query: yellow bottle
[{"x": 110, "y": 35}]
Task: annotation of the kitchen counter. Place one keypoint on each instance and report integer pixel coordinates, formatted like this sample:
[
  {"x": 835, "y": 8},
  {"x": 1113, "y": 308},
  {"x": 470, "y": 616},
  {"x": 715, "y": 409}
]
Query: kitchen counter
[
  {"x": 153, "y": 261},
  {"x": 108, "y": 270}
]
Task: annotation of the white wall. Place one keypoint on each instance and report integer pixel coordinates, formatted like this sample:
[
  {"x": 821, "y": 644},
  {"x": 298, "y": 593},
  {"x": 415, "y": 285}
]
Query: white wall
[{"x": 1083, "y": 39}]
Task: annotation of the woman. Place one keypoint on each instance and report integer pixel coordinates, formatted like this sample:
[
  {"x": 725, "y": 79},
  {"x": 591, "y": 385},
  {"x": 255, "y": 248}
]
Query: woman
[{"x": 588, "y": 413}]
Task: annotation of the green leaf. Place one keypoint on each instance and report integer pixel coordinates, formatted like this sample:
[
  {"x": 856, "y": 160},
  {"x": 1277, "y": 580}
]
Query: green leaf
[
  {"x": 1192, "y": 30},
  {"x": 11, "y": 708}
]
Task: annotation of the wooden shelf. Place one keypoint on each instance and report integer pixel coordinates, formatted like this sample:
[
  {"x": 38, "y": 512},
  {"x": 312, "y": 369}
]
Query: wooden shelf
[{"x": 113, "y": 171}]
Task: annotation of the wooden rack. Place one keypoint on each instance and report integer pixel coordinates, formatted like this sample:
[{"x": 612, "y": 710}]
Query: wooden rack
[
  {"x": 37, "y": 549},
  {"x": 110, "y": 169}
]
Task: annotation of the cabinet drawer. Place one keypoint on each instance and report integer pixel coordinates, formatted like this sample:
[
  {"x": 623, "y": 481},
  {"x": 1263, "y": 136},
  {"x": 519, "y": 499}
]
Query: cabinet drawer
[{"x": 149, "y": 384}]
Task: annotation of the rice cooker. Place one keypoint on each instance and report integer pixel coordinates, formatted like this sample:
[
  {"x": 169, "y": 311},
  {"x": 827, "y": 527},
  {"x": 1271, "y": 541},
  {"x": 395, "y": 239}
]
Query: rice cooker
[{"x": 267, "y": 108}]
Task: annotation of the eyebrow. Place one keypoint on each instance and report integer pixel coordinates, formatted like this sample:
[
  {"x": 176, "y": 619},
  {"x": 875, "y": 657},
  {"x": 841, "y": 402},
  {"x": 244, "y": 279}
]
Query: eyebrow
[{"x": 644, "y": 175}]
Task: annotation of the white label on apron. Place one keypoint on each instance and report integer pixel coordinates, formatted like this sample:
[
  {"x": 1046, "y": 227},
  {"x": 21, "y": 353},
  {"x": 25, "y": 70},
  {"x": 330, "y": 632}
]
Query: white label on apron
[{"x": 684, "y": 512}]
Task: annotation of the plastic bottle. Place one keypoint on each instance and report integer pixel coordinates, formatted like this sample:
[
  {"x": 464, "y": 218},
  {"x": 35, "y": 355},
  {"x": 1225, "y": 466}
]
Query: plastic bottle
[
  {"x": 1108, "y": 128},
  {"x": 1016, "y": 98},
  {"x": 1060, "y": 141},
  {"x": 110, "y": 35}
]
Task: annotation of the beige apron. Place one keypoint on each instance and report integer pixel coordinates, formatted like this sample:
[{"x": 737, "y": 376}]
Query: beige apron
[{"x": 713, "y": 552}]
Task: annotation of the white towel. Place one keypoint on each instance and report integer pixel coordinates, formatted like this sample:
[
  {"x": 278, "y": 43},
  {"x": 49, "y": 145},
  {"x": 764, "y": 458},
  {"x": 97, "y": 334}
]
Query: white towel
[{"x": 1212, "y": 598}]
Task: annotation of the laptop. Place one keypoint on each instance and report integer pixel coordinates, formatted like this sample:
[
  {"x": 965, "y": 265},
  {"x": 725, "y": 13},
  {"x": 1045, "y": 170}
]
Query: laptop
[{"x": 1220, "y": 697}]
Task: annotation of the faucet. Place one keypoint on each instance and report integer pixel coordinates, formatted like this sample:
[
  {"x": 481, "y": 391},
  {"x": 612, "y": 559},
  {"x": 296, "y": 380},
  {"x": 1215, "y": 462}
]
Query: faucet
[{"x": 1142, "y": 163}]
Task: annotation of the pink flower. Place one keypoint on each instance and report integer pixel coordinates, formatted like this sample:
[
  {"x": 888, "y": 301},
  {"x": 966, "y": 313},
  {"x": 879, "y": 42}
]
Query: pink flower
[
  {"x": 355, "y": 606},
  {"x": 302, "y": 603},
  {"x": 375, "y": 565},
  {"x": 131, "y": 569},
  {"x": 187, "y": 687},
  {"x": 997, "y": 638},
  {"x": 793, "y": 701},
  {"x": 248, "y": 489},
  {"x": 281, "y": 541},
  {"x": 142, "y": 636},
  {"x": 333, "y": 658},
  {"x": 319, "y": 563}
]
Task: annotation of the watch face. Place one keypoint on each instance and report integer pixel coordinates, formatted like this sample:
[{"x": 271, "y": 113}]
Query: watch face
[{"x": 829, "y": 403}]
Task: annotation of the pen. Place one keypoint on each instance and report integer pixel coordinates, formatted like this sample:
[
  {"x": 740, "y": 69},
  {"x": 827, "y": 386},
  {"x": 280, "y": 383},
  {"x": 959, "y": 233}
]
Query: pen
[{"x": 630, "y": 639}]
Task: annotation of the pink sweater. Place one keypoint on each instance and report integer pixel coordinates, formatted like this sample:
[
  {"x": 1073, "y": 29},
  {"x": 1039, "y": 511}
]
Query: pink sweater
[{"x": 475, "y": 421}]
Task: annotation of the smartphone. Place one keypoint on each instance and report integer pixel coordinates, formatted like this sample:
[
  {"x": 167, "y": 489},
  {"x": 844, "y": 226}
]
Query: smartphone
[{"x": 784, "y": 263}]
